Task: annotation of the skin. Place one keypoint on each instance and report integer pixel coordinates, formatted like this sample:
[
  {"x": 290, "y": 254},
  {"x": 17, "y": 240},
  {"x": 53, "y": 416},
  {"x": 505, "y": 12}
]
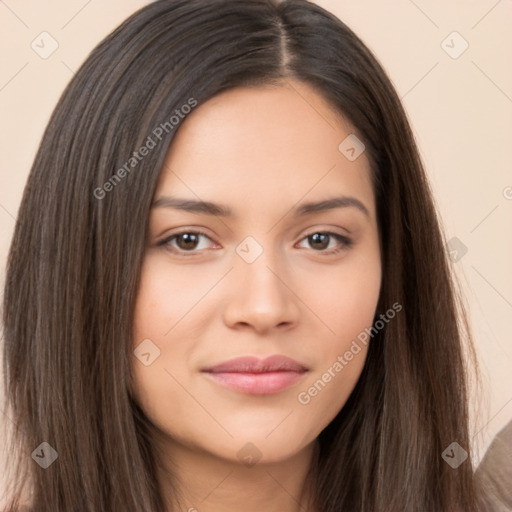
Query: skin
[{"x": 261, "y": 151}]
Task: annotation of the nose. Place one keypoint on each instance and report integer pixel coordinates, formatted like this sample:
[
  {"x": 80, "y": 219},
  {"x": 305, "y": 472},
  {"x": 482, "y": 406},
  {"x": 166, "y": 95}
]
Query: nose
[{"x": 262, "y": 297}]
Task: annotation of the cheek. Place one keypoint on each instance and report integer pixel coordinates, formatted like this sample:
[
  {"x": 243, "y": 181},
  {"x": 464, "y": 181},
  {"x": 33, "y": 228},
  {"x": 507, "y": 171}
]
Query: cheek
[
  {"x": 168, "y": 308},
  {"x": 156, "y": 313},
  {"x": 343, "y": 297},
  {"x": 163, "y": 298},
  {"x": 169, "y": 322},
  {"x": 347, "y": 311},
  {"x": 340, "y": 362},
  {"x": 326, "y": 392}
]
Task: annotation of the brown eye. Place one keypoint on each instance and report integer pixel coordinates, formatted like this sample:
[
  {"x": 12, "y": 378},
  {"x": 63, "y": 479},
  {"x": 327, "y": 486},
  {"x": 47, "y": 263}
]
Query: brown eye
[
  {"x": 185, "y": 242},
  {"x": 320, "y": 241}
]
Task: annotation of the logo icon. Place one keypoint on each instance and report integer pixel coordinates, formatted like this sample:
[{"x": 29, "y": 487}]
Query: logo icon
[
  {"x": 456, "y": 249},
  {"x": 454, "y": 45},
  {"x": 249, "y": 249},
  {"x": 249, "y": 455},
  {"x": 146, "y": 352},
  {"x": 454, "y": 455},
  {"x": 44, "y": 45},
  {"x": 351, "y": 147},
  {"x": 44, "y": 455}
]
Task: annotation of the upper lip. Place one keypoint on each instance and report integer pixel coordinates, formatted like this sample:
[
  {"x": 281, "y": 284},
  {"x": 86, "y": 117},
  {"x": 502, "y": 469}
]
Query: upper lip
[{"x": 250, "y": 364}]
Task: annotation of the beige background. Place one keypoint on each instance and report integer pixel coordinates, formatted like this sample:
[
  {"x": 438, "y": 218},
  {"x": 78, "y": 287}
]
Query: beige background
[{"x": 460, "y": 109}]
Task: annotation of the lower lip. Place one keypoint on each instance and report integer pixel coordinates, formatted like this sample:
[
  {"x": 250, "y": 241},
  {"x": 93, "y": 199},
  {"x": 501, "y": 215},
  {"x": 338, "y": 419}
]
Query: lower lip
[{"x": 257, "y": 383}]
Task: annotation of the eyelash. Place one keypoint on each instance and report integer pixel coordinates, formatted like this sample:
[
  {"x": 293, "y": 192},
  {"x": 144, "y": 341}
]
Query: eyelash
[{"x": 346, "y": 243}]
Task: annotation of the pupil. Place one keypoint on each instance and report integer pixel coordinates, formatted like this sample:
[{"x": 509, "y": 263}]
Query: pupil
[{"x": 318, "y": 237}]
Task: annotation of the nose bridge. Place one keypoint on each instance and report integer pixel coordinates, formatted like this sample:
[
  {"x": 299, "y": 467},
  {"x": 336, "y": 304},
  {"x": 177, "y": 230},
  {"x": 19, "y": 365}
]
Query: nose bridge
[
  {"x": 257, "y": 267},
  {"x": 260, "y": 296}
]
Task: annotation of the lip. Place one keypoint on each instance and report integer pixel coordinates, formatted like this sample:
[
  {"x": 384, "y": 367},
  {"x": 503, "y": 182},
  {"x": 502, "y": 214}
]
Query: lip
[{"x": 257, "y": 376}]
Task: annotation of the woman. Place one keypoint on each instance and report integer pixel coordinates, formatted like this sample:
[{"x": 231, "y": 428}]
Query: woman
[{"x": 227, "y": 287}]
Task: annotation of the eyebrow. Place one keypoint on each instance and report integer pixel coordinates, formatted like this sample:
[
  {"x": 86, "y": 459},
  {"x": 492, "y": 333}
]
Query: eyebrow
[{"x": 209, "y": 208}]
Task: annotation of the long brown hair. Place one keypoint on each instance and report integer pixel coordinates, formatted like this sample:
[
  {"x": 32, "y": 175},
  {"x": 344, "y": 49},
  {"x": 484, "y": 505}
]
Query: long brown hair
[{"x": 76, "y": 255}]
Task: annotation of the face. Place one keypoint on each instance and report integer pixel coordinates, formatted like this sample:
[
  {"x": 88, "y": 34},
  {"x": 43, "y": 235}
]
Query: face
[{"x": 259, "y": 275}]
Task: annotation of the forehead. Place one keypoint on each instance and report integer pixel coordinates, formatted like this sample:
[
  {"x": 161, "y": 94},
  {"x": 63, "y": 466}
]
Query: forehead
[{"x": 261, "y": 145}]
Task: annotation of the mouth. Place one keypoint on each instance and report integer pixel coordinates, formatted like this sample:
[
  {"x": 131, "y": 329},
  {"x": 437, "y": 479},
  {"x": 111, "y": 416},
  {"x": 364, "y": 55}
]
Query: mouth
[{"x": 255, "y": 376}]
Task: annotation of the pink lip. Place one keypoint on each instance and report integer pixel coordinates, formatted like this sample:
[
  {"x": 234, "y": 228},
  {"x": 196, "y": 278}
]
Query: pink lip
[{"x": 256, "y": 376}]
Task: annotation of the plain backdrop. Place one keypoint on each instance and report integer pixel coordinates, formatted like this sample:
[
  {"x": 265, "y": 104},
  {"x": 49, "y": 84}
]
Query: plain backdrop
[{"x": 450, "y": 63}]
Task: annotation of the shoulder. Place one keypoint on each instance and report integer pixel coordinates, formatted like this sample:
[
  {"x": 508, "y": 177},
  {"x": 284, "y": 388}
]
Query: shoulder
[{"x": 494, "y": 473}]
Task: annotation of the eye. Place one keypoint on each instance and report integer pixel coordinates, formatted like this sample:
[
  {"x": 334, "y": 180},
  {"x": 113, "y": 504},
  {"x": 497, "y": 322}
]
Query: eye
[
  {"x": 186, "y": 242},
  {"x": 189, "y": 242},
  {"x": 320, "y": 240}
]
